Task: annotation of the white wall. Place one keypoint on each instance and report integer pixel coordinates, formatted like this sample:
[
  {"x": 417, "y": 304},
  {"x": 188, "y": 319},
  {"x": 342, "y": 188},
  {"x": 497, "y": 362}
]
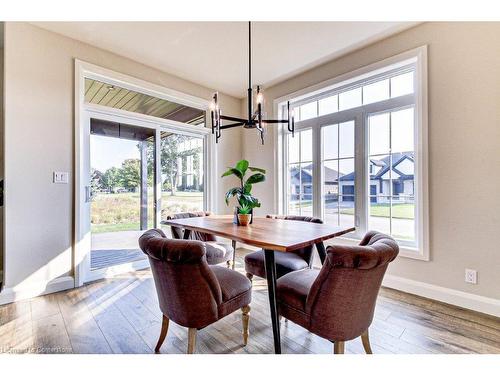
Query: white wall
[
  {"x": 464, "y": 148},
  {"x": 39, "y": 139},
  {"x": 1, "y": 151}
]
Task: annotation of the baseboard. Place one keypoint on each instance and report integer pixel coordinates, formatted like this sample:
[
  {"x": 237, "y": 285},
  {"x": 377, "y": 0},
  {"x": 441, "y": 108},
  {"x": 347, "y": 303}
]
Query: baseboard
[
  {"x": 8, "y": 295},
  {"x": 455, "y": 297}
]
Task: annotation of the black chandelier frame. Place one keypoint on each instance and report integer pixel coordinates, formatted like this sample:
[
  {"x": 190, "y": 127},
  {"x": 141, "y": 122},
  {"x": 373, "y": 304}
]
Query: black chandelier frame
[{"x": 255, "y": 119}]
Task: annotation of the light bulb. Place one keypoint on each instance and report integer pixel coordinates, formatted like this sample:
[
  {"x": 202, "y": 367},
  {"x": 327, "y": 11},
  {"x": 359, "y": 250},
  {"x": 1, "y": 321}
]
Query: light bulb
[{"x": 260, "y": 98}]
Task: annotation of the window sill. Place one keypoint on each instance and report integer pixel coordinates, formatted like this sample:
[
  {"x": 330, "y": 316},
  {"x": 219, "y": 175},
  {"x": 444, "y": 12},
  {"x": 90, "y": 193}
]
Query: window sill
[{"x": 404, "y": 251}]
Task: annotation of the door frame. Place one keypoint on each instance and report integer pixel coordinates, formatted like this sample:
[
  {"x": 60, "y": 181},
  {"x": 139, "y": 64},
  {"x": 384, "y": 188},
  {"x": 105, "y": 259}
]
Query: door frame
[{"x": 83, "y": 113}]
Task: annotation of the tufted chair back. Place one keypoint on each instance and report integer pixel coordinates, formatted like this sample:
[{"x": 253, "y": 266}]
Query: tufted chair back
[
  {"x": 306, "y": 252},
  {"x": 342, "y": 299},
  {"x": 188, "y": 290},
  {"x": 178, "y": 233}
]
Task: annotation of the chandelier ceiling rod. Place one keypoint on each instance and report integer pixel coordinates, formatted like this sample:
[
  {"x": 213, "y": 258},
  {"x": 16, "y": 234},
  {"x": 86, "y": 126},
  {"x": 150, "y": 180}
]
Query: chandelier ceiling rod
[
  {"x": 249, "y": 70},
  {"x": 254, "y": 120}
]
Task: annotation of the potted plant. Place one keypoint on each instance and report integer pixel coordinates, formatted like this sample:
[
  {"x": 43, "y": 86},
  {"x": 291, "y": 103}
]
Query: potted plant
[
  {"x": 244, "y": 214},
  {"x": 243, "y": 192}
]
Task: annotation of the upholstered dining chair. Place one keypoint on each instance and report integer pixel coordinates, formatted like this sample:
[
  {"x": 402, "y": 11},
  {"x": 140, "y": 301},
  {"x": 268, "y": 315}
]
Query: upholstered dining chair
[
  {"x": 338, "y": 301},
  {"x": 285, "y": 261},
  {"x": 217, "y": 252},
  {"x": 190, "y": 292}
]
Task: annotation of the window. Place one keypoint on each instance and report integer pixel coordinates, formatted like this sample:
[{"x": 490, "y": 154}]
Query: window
[
  {"x": 338, "y": 173},
  {"x": 328, "y": 105},
  {"x": 392, "y": 182},
  {"x": 369, "y": 170},
  {"x": 350, "y": 99},
  {"x": 308, "y": 111},
  {"x": 300, "y": 173}
]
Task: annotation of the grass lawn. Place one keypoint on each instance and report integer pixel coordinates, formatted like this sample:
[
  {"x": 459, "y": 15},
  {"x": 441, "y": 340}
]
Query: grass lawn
[
  {"x": 104, "y": 228},
  {"x": 399, "y": 210},
  {"x": 121, "y": 211}
]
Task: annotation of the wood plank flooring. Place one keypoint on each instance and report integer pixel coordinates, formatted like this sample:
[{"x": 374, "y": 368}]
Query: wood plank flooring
[{"x": 121, "y": 315}]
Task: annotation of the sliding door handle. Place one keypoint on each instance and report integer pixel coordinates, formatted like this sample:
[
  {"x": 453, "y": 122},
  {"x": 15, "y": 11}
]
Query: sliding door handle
[{"x": 88, "y": 194}]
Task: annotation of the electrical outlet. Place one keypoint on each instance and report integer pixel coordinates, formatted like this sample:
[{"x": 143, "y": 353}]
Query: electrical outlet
[{"x": 470, "y": 276}]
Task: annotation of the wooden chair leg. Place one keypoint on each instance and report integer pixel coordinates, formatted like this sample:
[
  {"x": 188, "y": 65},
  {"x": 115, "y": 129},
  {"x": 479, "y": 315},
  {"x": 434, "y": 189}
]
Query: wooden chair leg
[
  {"x": 249, "y": 276},
  {"x": 245, "y": 318},
  {"x": 338, "y": 347},
  {"x": 163, "y": 333},
  {"x": 366, "y": 342},
  {"x": 191, "y": 340},
  {"x": 234, "y": 252}
]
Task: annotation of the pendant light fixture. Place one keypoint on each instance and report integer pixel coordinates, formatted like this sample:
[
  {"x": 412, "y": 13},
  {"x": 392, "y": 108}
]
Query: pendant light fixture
[{"x": 255, "y": 119}]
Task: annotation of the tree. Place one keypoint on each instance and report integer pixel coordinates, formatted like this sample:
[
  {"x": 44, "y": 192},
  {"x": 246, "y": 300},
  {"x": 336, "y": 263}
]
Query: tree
[
  {"x": 111, "y": 179},
  {"x": 96, "y": 181},
  {"x": 130, "y": 174}
]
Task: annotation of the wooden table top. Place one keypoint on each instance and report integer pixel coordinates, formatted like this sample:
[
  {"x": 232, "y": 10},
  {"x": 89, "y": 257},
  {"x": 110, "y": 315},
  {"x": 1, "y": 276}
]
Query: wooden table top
[{"x": 271, "y": 234}]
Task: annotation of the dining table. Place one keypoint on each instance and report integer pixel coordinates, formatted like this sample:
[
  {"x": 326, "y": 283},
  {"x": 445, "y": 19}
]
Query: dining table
[{"x": 269, "y": 234}]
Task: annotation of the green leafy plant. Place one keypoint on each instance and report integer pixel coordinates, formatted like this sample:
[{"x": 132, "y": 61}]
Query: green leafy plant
[
  {"x": 243, "y": 193},
  {"x": 245, "y": 209}
]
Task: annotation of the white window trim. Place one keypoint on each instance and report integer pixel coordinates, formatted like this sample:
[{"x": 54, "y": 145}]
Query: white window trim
[
  {"x": 82, "y": 110},
  {"x": 421, "y": 140}
]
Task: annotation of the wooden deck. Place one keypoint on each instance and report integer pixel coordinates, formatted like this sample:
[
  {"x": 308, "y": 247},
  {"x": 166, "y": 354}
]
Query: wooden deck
[{"x": 121, "y": 315}]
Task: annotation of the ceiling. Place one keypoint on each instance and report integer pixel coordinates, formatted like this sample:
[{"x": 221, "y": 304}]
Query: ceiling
[
  {"x": 215, "y": 54},
  {"x": 97, "y": 92}
]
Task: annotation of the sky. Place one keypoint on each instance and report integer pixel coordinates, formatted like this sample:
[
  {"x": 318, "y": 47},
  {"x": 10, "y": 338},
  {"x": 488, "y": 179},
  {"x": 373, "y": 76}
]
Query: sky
[{"x": 107, "y": 152}]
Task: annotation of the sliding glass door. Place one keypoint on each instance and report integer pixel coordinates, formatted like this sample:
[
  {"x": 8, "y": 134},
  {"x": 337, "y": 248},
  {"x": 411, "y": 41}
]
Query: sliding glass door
[
  {"x": 138, "y": 173},
  {"x": 122, "y": 176},
  {"x": 182, "y": 160}
]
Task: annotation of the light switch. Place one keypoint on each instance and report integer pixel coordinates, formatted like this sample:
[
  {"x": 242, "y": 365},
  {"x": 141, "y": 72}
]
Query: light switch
[{"x": 61, "y": 177}]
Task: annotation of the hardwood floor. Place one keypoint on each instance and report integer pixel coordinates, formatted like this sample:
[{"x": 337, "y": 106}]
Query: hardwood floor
[{"x": 121, "y": 315}]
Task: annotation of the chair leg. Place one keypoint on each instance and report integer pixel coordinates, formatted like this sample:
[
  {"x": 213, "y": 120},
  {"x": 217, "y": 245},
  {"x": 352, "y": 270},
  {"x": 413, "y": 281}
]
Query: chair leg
[
  {"x": 163, "y": 333},
  {"x": 245, "y": 318},
  {"x": 234, "y": 252},
  {"x": 191, "y": 340},
  {"x": 366, "y": 342},
  {"x": 338, "y": 347},
  {"x": 249, "y": 276},
  {"x": 281, "y": 317}
]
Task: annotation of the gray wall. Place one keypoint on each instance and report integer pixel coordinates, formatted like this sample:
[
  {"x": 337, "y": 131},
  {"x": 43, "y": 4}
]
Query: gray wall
[
  {"x": 39, "y": 135},
  {"x": 464, "y": 147}
]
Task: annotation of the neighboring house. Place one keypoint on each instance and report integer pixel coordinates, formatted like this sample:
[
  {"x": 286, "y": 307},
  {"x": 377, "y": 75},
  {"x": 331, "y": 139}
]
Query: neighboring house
[
  {"x": 402, "y": 181},
  {"x": 304, "y": 177},
  {"x": 301, "y": 177},
  {"x": 403, "y": 166}
]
